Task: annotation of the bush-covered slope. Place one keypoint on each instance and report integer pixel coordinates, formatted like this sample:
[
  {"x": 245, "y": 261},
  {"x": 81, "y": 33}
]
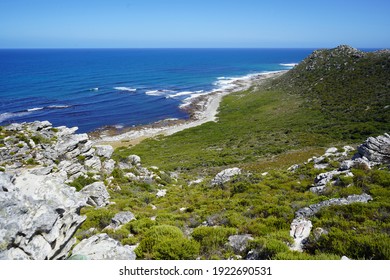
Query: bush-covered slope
[{"x": 344, "y": 83}]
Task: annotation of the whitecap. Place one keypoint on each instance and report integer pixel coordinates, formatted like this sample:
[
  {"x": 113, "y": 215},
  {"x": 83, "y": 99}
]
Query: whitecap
[
  {"x": 94, "y": 89},
  {"x": 7, "y": 115},
  {"x": 35, "y": 109},
  {"x": 159, "y": 92},
  {"x": 182, "y": 93},
  {"x": 288, "y": 64},
  {"x": 58, "y": 106},
  {"x": 126, "y": 89}
]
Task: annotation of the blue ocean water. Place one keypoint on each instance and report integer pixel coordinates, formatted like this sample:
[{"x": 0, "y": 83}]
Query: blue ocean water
[{"x": 93, "y": 88}]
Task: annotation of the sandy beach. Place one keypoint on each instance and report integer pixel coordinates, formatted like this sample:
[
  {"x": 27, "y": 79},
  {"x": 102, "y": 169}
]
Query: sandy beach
[{"x": 202, "y": 109}]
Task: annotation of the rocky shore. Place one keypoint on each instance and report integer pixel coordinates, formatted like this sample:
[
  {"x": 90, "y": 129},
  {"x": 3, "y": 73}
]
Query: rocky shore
[{"x": 201, "y": 110}]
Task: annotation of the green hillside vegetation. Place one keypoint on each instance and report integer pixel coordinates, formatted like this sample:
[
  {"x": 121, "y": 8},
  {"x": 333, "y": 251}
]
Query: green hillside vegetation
[{"x": 333, "y": 98}]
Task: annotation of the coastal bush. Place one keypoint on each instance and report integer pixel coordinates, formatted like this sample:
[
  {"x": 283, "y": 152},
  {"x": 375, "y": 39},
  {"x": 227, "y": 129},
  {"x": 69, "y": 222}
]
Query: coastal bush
[
  {"x": 166, "y": 242},
  {"x": 212, "y": 239},
  {"x": 96, "y": 218},
  {"x": 80, "y": 182}
]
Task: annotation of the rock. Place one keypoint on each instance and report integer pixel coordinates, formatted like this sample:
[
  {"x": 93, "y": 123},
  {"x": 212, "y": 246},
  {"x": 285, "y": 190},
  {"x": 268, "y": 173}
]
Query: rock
[
  {"x": 161, "y": 193},
  {"x": 225, "y": 176},
  {"x": 38, "y": 126},
  {"x": 108, "y": 166},
  {"x": 332, "y": 150},
  {"x": 300, "y": 231},
  {"x": 104, "y": 151},
  {"x": 239, "y": 243},
  {"x": 97, "y": 194},
  {"x": 321, "y": 166},
  {"x": 93, "y": 163},
  {"x": 6, "y": 182},
  {"x": 293, "y": 168},
  {"x": 314, "y": 208},
  {"x": 102, "y": 247},
  {"x": 121, "y": 218},
  {"x": 134, "y": 160},
  {"x": 346, "y": 165},
  {"x": 38, "y": 217},
  {"x": 42, "y": 170},
  {"x": 345, "y": 258},
  {"x": 198, "y": 181},
  {"x": 376, "y": 149}
]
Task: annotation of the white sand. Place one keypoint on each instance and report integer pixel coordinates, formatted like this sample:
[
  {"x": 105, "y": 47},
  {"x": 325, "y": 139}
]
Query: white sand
[{"x": 209, "y": 112}]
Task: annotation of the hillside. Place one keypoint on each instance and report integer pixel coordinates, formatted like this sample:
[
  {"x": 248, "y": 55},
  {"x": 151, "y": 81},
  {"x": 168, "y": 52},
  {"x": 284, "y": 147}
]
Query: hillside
[{"x": 345, "y": 84}]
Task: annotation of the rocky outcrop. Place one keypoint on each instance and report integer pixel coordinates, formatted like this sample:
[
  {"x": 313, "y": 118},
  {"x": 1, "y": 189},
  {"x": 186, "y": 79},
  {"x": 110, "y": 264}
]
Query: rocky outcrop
[
  {"x": 39, "y": 216},
  {"x": 39, "y": 212},
  {"x": 102, "y": 247},
  {"x": 301, "y": 226},
  {"x": 97, "y": 194},
  {"x": 120, "y": 219},
  {"x": 376, "y": 150},
  {"x": 57, "y": 148},
  {"x": 225, "y": 176}
]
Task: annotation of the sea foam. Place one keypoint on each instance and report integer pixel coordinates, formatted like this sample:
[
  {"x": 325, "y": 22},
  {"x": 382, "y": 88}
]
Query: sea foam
[{"x": 125, "y": 89}]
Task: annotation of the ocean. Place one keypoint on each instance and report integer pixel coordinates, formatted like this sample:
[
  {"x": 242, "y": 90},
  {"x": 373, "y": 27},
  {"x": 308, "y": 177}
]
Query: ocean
[{"x": 95, "y": 88}]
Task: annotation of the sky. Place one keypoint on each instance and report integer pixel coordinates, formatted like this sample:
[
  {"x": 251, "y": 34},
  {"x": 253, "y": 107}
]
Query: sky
[{"x": 194, "y": 23}]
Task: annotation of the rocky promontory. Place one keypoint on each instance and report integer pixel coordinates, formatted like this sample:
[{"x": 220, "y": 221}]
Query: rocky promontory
[{"x": 39, "y": 208}]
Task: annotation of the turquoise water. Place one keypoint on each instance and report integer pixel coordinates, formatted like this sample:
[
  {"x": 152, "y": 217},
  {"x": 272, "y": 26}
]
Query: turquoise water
[{"x": 93, "y": 88}]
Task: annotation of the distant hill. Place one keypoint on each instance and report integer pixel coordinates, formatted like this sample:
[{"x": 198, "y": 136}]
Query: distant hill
[{"x": 344, "y": 83}]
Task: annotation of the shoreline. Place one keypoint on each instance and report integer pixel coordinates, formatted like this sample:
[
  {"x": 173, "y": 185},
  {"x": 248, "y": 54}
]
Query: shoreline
[{"x": 201, "y": 109}]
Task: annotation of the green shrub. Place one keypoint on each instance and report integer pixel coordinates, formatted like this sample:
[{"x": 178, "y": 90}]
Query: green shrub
[
  {"x": 80, "y": 182},
  {"x": 212, "y": 239},
  {"x": 97, "y": 218},
  {"x": 166, "y": 242}
]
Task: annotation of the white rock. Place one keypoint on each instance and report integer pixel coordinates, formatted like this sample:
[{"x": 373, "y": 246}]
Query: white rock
[
  {"x": 161, "y": 193},
  {"x": 97, "y": 194},
  {"x": 225, "y": 176},
  {"x": 102, "y": 247},
  {"x": 104, "y": 150}
]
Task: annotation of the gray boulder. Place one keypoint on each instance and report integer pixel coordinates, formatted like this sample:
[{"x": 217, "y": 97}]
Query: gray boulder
[
  {"x": 300, "y": 231},
  {"x": 108, "y": 166},
  {"x": 102, "y": 247},
  {"x": 225, "y": 176},
  {"x": 97, "y": 194},
  {"x": 104, "y": 150},
  {"x": 121, "y": 218},
  {"x": 376, "y": 149},
  {"x": 239, "y": 243}
]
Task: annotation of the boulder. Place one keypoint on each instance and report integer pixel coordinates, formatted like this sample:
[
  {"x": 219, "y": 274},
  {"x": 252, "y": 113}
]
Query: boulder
[
  {"x": 300, "y": 230},
  {"x": 104, "y": 151},
  {"x": 121, "y": 218},
  {"x": 102, "y": 247},
  {"x": 161, "y": 193},
  {"x": 239, "y": 243},
  {"x": 97, "y": 194},
  {"x": 225, "y": 176},
  {"x": 108, "y": 166},
  {"x": 134, "y": 160},
  {"x": 376, "y": 149}
]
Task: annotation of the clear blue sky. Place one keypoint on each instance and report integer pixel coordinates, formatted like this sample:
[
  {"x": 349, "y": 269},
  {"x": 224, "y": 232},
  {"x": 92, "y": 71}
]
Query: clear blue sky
[{"x": 193, "y": 23}]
